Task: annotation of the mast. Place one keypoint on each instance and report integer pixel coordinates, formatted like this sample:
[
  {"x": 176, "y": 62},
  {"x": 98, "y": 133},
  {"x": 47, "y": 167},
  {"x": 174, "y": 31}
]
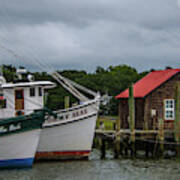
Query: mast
[{"x": 70, "y": 86}]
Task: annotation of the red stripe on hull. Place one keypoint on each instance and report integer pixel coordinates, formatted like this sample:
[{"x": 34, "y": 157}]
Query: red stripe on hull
[{"x": 62, "y": 155}]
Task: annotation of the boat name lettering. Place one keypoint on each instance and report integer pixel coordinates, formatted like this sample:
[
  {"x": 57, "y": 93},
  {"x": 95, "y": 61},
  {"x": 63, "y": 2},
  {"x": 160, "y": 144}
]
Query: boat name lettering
[
  {"x": 13, "y": 127},
  {"x": 79, "y": 113},
  {"x": 73, "y": 114},
  {"x": 3, "y": 129}
]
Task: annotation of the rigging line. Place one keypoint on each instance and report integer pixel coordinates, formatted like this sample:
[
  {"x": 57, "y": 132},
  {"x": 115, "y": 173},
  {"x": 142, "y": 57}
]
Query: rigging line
[
  {"x": 70, "y": 88},
  {"x": 45, "y": 65},
  {"x": 36, "y": 59},
  {"x": 10, "y": 51},
  {"x": 66, "y": 84},
  {"x": 78, "y": 86}
]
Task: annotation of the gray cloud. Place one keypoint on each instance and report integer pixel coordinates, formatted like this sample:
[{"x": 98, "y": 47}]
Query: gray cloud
[{"x": 84, "y": 34}]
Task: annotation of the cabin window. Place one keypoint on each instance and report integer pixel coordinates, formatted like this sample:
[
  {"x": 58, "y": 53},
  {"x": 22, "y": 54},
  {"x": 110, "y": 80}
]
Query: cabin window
[
  {"x": 19, "y": 94},
  {"x": 169, "y": 109},
  {"x": 32, "y": 92},
  {"x": 2, "y": 103},
  {"x": 40, "y": 91}
]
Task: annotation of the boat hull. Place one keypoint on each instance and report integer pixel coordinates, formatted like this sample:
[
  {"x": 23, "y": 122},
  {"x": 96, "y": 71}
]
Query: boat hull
[
  {"x": 69, "y": 140},
  {"x": 18, "y": 149}
]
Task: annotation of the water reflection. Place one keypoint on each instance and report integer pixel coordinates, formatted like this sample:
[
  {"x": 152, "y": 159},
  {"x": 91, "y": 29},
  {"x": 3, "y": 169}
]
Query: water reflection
[{"x": 96, "y": 169}]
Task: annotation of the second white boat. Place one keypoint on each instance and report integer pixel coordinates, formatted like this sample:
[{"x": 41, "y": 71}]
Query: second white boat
[{"x": 70, "y": 136}]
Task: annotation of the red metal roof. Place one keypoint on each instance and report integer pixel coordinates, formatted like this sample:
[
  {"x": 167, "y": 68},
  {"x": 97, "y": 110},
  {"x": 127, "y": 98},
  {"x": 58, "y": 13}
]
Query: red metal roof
[{"x": 150, "y": 82}]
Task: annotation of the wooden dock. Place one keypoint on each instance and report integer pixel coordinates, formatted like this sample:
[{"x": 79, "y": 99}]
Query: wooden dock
[{"x": 148, "y": 141}]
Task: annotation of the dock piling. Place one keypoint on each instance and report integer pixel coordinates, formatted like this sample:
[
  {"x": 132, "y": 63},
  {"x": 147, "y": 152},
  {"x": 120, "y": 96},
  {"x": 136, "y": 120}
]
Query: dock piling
[
  {"x": 161, "y": 136},
  {"x": 132, "y": 119}
]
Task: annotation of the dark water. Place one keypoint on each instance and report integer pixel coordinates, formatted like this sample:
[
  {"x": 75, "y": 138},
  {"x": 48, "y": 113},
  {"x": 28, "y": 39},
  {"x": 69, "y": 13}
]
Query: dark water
[{"x": 96, "y": 169}]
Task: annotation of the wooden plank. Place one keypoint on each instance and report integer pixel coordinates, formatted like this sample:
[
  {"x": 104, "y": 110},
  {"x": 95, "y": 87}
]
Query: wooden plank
[
  {"x": 177, "y": 113},
  {"x": 66, "y": 102}
]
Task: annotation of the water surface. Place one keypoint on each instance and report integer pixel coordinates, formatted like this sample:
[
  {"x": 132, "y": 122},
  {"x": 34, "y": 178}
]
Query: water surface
[{"x": 96, "y": 169}]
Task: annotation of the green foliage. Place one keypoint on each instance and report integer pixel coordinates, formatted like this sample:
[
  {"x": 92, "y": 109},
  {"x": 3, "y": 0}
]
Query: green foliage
[
  {"x": 111, "y": 81},
  {"x": 9, "y": 72}
]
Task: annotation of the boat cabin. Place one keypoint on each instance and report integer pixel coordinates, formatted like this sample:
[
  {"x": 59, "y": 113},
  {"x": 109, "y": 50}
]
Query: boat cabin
[{"x": 22, "y": 98}]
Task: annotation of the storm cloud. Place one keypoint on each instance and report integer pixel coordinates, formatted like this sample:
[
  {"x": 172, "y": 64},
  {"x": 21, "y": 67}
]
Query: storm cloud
[{"x": 81, "y": 34}]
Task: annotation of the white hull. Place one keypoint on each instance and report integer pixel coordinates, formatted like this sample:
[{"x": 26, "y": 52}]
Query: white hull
[
  {"x": 18, "y": 149},
  {"x": 71, "y": 137}
]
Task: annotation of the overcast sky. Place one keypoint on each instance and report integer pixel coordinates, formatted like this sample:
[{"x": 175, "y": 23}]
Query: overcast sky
[{"x": 84, "y": 34}]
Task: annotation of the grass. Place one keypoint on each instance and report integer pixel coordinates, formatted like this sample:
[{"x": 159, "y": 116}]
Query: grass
[{"x": 108, "y": 121}]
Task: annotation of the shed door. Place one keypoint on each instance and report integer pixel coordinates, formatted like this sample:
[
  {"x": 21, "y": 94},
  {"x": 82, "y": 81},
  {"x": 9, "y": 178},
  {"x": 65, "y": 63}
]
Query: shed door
[{"x": 19, "y": 99}]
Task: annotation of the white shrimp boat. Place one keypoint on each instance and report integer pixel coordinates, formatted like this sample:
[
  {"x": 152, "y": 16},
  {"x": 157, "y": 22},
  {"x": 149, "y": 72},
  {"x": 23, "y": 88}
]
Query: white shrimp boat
[
  {"x": 70, "y": 135},
  {"x": 20, "y": 127},
  {"x": 19, "y": 137}
]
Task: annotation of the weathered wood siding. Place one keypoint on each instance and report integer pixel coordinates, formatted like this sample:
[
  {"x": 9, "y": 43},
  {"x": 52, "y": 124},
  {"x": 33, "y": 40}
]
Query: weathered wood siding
[
  {"x": 155, "y": 100},
  {"x": 143, "y": 106},
  {"x": 124, "y": 113}
]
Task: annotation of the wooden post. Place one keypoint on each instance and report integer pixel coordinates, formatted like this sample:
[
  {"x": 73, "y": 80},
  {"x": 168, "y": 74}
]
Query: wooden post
[
  {"x": 103, "y": 148},
  {"x": 118, "y": 136},
  {"x": 146, "y": 110},
  {"x": 177, "y": 116},
  {"x": 66, "y": 102},
  {"x": 132, "y": 118},
  {"x": 161, "y": 136},
  {"x": 45, "y": 98}
]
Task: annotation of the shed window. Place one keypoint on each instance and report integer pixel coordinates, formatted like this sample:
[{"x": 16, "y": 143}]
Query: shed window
[
  {"x": 169, "y": 109},
  {"x": 32, "y": 92}
]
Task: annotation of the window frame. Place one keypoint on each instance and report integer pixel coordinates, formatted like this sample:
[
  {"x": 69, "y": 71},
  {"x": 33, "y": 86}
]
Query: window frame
[
  {"x": 40, "y": 91},
  {"x": 30, "y": 95},
  {"x": 3, "y": 104},
  {"x": 3, "y": 101},
  {"x": 169, "y": 109}
]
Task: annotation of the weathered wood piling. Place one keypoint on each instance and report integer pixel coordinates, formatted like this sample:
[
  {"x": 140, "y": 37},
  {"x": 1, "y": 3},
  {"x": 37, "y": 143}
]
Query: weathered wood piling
[
  {"x": 177, "y": 116},
  {"x": 132, "y": 119}
]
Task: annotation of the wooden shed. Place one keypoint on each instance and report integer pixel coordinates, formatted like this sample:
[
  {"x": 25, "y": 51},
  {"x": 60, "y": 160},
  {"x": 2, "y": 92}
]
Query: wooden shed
[{"x": 154, "y": 99}]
